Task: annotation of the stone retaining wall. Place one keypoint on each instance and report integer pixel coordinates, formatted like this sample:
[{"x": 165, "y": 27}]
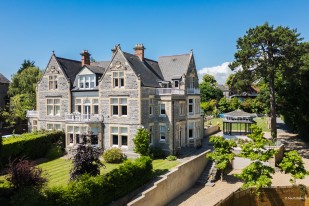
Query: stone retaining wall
[
  {"x": 173, "y": 183},
  {"x": 211, "y": 130}
]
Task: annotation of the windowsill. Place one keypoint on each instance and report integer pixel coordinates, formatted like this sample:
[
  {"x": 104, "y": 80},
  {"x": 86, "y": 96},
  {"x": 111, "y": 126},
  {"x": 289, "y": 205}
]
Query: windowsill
[
  {"x": 162, "y": 115},
  {"x": 115, "y": 146},
  {"x": 124, "y": 146},
  {"x": 162, "y": 141}
]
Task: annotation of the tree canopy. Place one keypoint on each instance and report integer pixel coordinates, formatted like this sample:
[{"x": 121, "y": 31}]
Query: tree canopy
[
  {"x": 264, "y": 52},
  {"x": 209, "y": 89}
]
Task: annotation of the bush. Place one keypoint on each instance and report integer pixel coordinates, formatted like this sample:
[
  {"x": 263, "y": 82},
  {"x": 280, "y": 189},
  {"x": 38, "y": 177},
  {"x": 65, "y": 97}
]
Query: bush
[
  {"x": 30, "y": 145},
  {"x": 157, "y": 153},
  {"x": 92, "y": 190},
  {"x": 171, "y": 158},
  {"x": 141, "y": 142},
  {"x": 113, "y": 155},
  {"x": 85, "y": 160},
  {"x": 22, "y": 173}
]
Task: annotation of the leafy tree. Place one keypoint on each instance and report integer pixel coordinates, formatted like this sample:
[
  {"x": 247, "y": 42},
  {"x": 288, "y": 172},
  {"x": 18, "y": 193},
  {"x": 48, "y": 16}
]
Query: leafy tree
[
  {"x": 293, "y": 163},
  {"x": 209, "y": 106},
  {"x": 239, "y": 82},
  {"x": 234, "y": 104},
  {"x": 223, "y": 152},
  {"x": 256, "y": 174},
  {"x": 209, "y": 89},
  {"x": 27, "y": 63},
  {"x": 85, "y": 160},
  {"x": 263, "y": 52},
  {"x": 23, "y": 173},
  {"x": 22, "y": 91},
  {"x": 247, "y": 105},
  {"x": 224, "y": 105},
  {"x": 141, "y": 142}
]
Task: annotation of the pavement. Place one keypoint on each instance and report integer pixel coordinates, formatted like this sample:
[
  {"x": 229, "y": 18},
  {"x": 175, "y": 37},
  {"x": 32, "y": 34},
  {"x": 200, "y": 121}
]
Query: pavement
[{"x": 208, "y": 196}]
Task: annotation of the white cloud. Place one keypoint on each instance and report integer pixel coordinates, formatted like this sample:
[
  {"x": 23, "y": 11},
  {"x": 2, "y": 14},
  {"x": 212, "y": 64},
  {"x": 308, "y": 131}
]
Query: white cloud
[{"x": 220, "y": 72}]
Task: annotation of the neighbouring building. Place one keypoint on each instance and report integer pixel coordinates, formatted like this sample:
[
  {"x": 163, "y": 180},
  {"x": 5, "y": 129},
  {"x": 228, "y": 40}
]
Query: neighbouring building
[
  {"x": 107, "y": 101},
  {"x": 4, "y": 98}
]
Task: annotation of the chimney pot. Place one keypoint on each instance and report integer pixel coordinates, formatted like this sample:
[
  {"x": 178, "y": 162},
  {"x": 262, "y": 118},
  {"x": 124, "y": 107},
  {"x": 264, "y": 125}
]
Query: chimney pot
[
  {"x": 85, "y": 57},
  {"x": 139, "y": 51}
]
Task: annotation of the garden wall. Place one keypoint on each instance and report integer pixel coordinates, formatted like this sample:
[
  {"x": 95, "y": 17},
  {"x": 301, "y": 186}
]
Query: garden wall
[
  {"x": 211, "y": 130},
  {"x": 173, "y": 183}
]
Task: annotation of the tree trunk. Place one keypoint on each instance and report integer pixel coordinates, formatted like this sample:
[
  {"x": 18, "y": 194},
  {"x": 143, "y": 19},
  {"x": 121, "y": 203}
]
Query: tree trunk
[
  {"x": 222, "y": 175},
  {"x": 273, "y": 121}
]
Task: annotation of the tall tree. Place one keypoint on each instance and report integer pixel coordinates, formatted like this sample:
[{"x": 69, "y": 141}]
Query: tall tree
[
  {"x": 209, "y": 89},
  {"x": 264, "y": 51},
  {"x": 27, "y": 63}
]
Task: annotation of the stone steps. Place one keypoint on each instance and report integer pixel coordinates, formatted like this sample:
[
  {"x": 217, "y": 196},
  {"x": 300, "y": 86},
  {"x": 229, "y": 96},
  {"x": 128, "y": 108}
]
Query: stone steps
[{"x": 210, "y": 170}]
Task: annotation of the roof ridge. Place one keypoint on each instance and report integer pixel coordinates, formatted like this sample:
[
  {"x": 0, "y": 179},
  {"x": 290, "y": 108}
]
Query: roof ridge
[
  {"x": 175, "y": 55},
  {"x": 68, "y": 59}
]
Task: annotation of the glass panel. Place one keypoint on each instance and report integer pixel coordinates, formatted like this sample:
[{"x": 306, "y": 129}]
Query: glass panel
[
  {"x": 120, "y": 74},
  {"x": 124, "y": 110},
  {"x": 96, "y": 109},
  {"x": 114, "y": 101},
  {"x": 115, "y": 74},
  {"x": 123, "y": 101},
  {"x": 115, "y": 130},
  {"x": 49, "y": 126},
  {"x": 76, "y": 129},
  {"x": 95, "y": 130},
  {"x": 78, "y": 101},
  {"x": 122, "y": 82},
  {"x": 57, "y": 126},
  {"x": 84, "y": 129},
  {"x": 70, "y": 129},
  {"x": 162, "y": 128},
  {"x": 50, "y": 101},
  {"x": 115, "y": 139},
  {"x": 115, "y": 110},
  {"x": 123, "y": 130},
  {"x": 57, "y": 101},
  {"x": 124, "y": 140},
  {"x": 50, "y": 110},
  {"x": 115, "y": 82},
  {"x": 95, "y": 101},
  {"x": 57, "y": 108},
  {"x": 77, "y": 139},
  {"x": 94, "y": 139},
  {"x": 71, "y": 138}
]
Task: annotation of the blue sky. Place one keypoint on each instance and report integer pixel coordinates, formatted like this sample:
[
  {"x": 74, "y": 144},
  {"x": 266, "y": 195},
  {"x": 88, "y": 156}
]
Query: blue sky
[{"x": 33, "y": 29}]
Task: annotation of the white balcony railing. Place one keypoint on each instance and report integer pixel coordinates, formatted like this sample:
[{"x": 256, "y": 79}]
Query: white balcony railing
[
  {"x": 77, "y": 117},
  {"x": 169, "y": 91},
  {"x": 193, "y": 91},
  {"x": 32, "y": 113}
]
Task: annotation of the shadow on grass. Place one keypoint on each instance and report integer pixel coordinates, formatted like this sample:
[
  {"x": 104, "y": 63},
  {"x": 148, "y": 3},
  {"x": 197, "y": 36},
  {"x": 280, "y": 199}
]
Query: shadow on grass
[{"x": 158, "y": 172}]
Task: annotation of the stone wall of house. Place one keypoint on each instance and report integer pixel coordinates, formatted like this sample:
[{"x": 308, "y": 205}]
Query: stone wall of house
[
  {"x": 62, "y": 93},
  {"x": 131, "y": 91}
]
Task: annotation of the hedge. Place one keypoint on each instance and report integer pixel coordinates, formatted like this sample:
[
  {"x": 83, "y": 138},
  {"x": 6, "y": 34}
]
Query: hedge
[
  {"x": 29, "y": 145},
  {"x": 92, "y": 191}
]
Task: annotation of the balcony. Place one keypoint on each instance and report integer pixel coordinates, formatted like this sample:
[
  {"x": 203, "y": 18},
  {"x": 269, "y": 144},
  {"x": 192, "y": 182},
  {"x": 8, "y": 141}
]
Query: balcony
[
  {"x": 32, "y": 113},
  {"x": 77, "y": 117},
  {"x": 169, "y": 91},
  {"x": 193, "y": 91}
]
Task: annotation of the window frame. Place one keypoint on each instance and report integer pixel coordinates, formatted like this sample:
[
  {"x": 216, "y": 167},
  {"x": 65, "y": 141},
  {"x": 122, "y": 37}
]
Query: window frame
[
  {"x": 162, "y": 133},
  {"x": 86, "y": 79},
  {"x": 52, "y": 82},
  {"x": 191, "y": 105},
  {"x": 53, "y": 106},
  {"x": 119, "y": 77},
  {"x": 160, "y": 109},
  {"x": 120, "y": 134},
  {"x": 119, "y": 106}
]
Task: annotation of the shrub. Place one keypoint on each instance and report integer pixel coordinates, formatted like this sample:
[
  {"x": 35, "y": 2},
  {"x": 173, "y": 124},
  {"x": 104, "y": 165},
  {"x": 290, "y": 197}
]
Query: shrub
[
  {"x": 22, "y": 173},
  {"x": 157, "y": 152},
  {"x": 54, "y": 152},
  {"x": 113, "y": 155},
  {"x": 141, "y": 142},
  {"x": 92, "y": 190},
  {"x": 30, "y": 145},
  {"x": 85, "y": 160},
  {"x": 171, "y": 158}
]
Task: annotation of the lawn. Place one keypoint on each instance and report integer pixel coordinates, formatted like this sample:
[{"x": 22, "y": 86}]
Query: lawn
[
  {"x": 57, "y": 171},
  {"x": 260, "y": 121}
]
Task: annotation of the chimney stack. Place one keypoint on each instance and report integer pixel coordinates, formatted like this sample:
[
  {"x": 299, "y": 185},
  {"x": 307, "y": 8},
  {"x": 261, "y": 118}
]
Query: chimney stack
[
  {"x": 139, "y": 51},
  {"x": 85, "y": 57}
]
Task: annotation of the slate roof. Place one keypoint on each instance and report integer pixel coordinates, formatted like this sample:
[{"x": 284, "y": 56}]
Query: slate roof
[
  {"x": 96, "y": 69},
  {"x": 174, "y": 65},
  {"x": 154, "y": 67},
  {"x": 103, "y": 64},
  {"x": 239, "y": 113},
  {"x": 70, "y": 67},
  {"x": 3, "y": 79},
  {"x": 148, "y": 77}
]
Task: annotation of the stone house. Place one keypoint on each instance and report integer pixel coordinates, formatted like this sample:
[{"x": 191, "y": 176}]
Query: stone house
[{"x": 108, "y": 101}]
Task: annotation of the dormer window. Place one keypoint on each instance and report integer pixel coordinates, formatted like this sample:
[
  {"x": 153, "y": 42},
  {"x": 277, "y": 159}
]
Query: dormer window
[
  {"x": 118, "y": 79},
  {"x": 87, "y": 81},
  {"x": 176, "y": 83}
]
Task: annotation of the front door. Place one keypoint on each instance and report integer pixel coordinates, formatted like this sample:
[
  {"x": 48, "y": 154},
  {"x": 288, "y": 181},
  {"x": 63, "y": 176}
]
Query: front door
[{"x": 87, "y": 112}]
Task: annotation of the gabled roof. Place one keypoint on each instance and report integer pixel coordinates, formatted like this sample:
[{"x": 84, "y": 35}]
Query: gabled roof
[
  {"x": 3, "y": 79},
  {"x": 154, "y": 67},
  {"x": 174, "y": 65},
  {"x": 103, "y": 64},
  {"x": 239, "y": 113},
  {"x": 96, "y": 69},
  {"x": 70, "y": 67},
  {"x": 148, "y": 77}
]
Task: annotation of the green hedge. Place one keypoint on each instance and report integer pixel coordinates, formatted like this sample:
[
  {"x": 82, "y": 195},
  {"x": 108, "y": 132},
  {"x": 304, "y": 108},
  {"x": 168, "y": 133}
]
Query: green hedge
[
  {"x": 92, "y": 191},
  {"x": 30, "y": 145}
]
